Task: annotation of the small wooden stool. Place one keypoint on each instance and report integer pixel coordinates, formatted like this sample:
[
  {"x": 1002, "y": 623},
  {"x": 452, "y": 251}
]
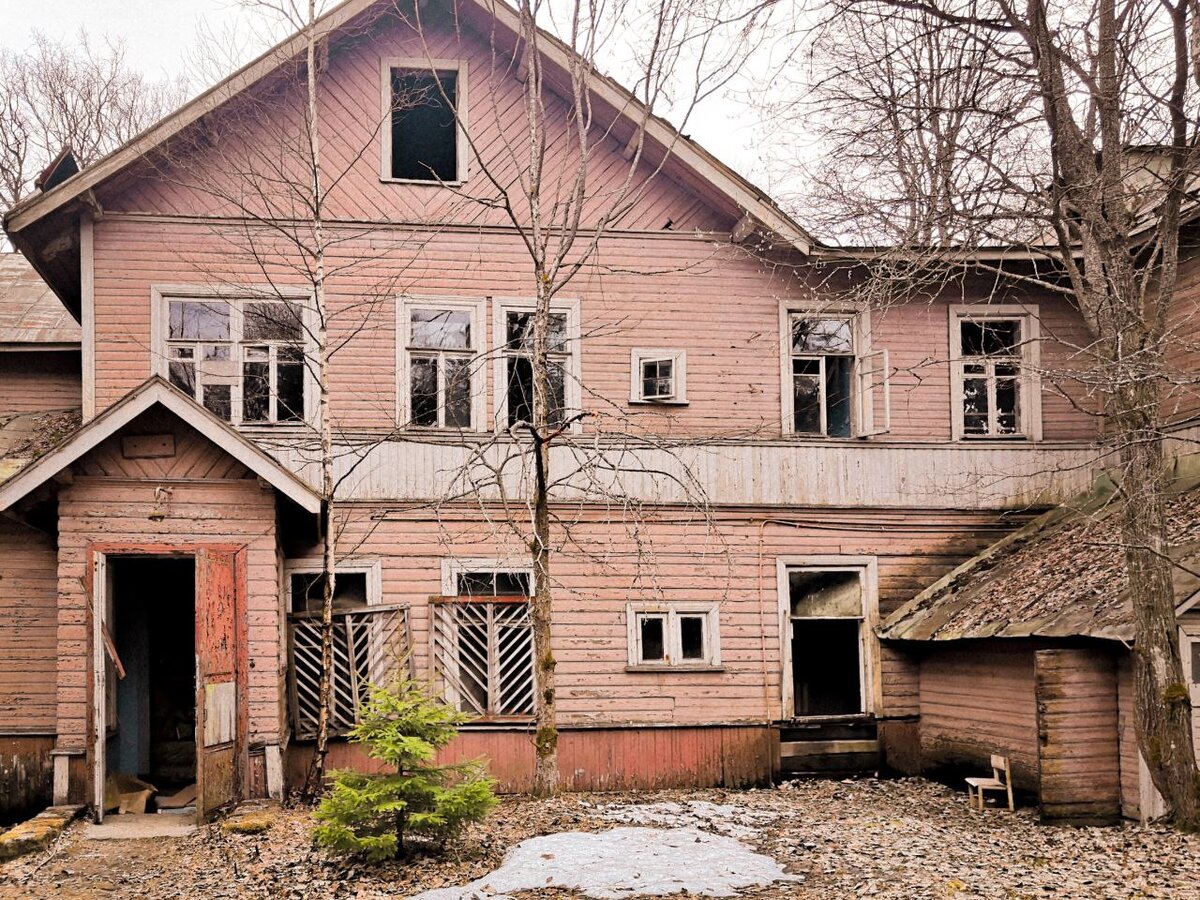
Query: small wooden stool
[{"x": 1001, "y": 780}]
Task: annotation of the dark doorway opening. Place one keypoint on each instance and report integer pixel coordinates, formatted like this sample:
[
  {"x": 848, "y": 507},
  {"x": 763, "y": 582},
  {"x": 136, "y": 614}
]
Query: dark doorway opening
[
  {"x": 151, "y": 712},
  {"x": 827, "y": 612},
  {"x": 826, "y": 667}
]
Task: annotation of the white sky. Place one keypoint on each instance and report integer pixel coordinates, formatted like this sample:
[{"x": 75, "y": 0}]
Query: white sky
[{"x": 159, "y": 35}]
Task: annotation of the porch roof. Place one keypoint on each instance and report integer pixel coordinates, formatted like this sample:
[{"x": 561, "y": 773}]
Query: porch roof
[
  {"x": 156, "y": 391},
  {"x": 31, "y": 316},
  {"x": 1062, "y": 575}
]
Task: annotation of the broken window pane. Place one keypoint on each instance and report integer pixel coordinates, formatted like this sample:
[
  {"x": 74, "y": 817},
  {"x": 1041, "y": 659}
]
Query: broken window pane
[
  {"x": 653, "y": 638},
  {"x": 1006, "y": 405},
  {"x": 822, "y": 336},
  {"x": 493, "y": 584},
  {"x": 423, "y": 402},
  {"x": 990, "y": 337},
  {"x": 520, "y": 390},
  {"x": 807, "y": 395},
  {"x": 824, "y": 595},
  {"x": 440, "y": 329},
  {"x": 308, "y": 591},
  {"x": 198, "y": 320},
  {"x": 424, "y": 131},
  {"x": 691, "y": 637}
]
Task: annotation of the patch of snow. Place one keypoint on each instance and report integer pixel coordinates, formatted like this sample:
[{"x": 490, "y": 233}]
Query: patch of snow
[
  {"x": 723, "y": 818},
  {"x": 624, "y": 862}
]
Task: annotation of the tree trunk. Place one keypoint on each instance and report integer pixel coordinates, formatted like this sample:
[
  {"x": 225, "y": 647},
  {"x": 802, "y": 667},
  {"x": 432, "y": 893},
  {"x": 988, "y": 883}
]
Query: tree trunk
[
  {"x": 1163, "y": 706},
  {"x": 316, "y": 771},
  {"x": 545, "y": 773}
]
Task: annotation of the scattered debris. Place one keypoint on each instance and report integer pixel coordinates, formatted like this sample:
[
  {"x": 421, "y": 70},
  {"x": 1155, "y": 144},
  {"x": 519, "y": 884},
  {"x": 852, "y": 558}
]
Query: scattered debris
[
  {"x": 37, "y": 833},
  {"x": 899, "y": 840},
  {"x": 181, "y": 799},
  {"x": 625, "y": 862},
  {"x": 125, "y": 794}
]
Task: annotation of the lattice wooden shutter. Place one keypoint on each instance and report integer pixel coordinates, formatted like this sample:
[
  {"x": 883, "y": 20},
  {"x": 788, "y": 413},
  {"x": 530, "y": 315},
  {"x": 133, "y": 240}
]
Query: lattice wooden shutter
[
  {"x": 368, "y": 645},
  {"x": 483, "y": 654}
]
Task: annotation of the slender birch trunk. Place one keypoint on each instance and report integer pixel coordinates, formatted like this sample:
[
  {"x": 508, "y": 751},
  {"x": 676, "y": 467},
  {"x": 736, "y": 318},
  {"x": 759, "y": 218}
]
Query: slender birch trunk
[{"x": 316, "y": 771}]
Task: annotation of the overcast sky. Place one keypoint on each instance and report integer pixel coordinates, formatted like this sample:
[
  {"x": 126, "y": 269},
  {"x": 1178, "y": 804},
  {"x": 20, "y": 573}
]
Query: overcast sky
[{"x": 159, "y": 35}]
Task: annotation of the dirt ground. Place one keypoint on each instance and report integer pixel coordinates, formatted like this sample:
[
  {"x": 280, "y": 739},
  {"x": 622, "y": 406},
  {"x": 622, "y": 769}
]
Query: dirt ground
[{"x": 898, "y": 839}]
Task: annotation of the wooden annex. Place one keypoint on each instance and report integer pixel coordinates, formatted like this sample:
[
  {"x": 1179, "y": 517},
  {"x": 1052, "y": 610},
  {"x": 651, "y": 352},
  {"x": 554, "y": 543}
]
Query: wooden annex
[{"x": 158, "y": 566}]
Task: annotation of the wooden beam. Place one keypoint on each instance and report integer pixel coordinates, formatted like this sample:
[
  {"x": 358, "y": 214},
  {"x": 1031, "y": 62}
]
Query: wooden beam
[{"x": 744, "y": 229}]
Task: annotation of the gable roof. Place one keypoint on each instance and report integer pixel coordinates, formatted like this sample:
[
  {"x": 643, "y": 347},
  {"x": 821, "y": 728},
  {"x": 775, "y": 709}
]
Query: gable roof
[
  {"x": 1062, "y": 575},
  {"x": 156, "y": 391},
  {"x": 739, "y": 191},
  {"x": 30, "y": 315}
]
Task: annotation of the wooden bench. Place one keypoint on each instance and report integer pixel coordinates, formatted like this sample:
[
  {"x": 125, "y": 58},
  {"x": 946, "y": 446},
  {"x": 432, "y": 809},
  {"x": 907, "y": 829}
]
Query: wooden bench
[{"x": 1001, "y": 780}]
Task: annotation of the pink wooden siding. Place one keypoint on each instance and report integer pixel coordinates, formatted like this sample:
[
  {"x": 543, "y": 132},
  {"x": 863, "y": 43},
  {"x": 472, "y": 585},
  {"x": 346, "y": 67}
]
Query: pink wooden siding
[
  {"x": 212, "y": 500},
  {"x": 28, "y": 587},
  {"x": 733, "y": 365},
  {"x": 1182, "y": 398},
  {"x": 37, "y": 381},
  {"x": 196, "y": 180},
  {"x": 733, "y": 566},
  {"x": 597, "y": 759},
  {"x": 1078, "y": 755},
  {"x": 977, "y": 700}
]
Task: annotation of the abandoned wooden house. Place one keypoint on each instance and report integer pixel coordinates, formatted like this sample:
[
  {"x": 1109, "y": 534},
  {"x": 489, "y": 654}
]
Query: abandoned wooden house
[{"x": 159, "y": 566}]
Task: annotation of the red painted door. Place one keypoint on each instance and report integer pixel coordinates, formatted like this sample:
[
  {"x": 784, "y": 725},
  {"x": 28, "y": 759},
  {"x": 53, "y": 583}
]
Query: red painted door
[{"x": 220, "y": 743}]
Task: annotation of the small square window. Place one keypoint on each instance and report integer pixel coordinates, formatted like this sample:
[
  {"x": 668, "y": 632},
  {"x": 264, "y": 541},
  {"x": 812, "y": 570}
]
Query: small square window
[
  {"x": 676, "y": 635},
  {"x": 657, "y": 376}
]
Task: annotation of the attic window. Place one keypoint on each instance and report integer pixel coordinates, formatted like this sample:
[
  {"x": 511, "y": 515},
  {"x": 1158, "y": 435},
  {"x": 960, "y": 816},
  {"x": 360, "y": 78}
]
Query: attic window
[{"x": 422, "y": 139}]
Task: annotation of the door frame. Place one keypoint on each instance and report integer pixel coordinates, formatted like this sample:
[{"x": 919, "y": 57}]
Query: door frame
[
  {"x": 867, "y": 568},
  {"x": 96, "y": 584}
]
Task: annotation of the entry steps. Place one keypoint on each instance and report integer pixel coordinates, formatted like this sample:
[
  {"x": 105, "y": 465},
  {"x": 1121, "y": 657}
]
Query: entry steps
[{"x": 833, "y": 746}]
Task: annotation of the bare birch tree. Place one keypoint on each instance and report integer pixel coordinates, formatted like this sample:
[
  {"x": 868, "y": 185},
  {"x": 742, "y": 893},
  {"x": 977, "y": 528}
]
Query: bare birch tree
[
  {"x": 548, "y": 181},
  {"x": 1068, "y": 132}
]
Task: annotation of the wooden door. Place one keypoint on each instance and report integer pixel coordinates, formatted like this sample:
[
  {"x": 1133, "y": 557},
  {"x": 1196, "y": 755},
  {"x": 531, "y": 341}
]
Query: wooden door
[{"x": 220, "y": 741}]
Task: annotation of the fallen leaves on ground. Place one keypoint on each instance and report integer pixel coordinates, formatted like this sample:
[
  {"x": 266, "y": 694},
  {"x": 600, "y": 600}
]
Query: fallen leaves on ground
[{"x": 906, "y": 839}]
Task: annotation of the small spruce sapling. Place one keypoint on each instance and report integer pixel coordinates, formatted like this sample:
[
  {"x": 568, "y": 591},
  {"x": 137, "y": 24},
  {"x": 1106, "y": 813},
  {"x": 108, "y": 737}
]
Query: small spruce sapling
[{"x": 403, "y": 726}]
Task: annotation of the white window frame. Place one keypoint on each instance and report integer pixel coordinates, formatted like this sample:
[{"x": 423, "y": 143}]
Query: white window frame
[
  {"x": 462, "y": 108},
  {"x": 572, "y": 389},
  {"x": 671, "y": 612},
  {"x": 161, "y": 296},
  {"x": 308, "y": 566},
  {"x": 868, "y": 364},
  {"x": 678, "y": 360},
  {"x": 453, "y": 567},
  {"x": 1029, "y": 386},
  {"x": 867, "y": 567},
  {"x": 478, "y": 310}
]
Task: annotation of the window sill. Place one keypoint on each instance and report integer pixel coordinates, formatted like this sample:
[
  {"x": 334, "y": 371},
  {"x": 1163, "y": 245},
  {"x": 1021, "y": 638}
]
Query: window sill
[
  {"x": 639, "y": 401},
  {"x": 989, "y": 438},
  {"x": 678, "y": 669},
  {"x": 421, "y": 181}
]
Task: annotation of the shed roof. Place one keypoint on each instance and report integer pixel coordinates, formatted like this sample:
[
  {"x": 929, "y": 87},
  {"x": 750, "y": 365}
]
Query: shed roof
[
  {"x": 30, "y": 313},
  {"x": 1062, "y": 575}
]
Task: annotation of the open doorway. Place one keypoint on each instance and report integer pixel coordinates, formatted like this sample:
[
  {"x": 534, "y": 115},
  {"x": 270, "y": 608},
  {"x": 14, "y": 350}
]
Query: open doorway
[
  {"x": 150, "y": 713},
  {"x": 826, "y": 616}
]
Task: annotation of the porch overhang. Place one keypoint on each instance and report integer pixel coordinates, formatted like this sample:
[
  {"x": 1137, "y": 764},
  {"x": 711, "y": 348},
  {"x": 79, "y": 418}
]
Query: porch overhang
[{"x": 157, "y": 392}]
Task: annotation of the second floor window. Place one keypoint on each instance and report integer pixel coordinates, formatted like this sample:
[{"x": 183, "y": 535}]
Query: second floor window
[
  {"x": 994, "y": 357},
  {"x": 518, "y": 365},
  {"x": 441, "y": 367},
  {"x": 242, "y": 359},
  {"x": 423, "y": 136},
  {"x": 822, "y": 369}
]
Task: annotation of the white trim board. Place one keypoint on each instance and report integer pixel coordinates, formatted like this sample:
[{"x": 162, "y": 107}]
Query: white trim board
[{"x": 151, "y": 392}]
